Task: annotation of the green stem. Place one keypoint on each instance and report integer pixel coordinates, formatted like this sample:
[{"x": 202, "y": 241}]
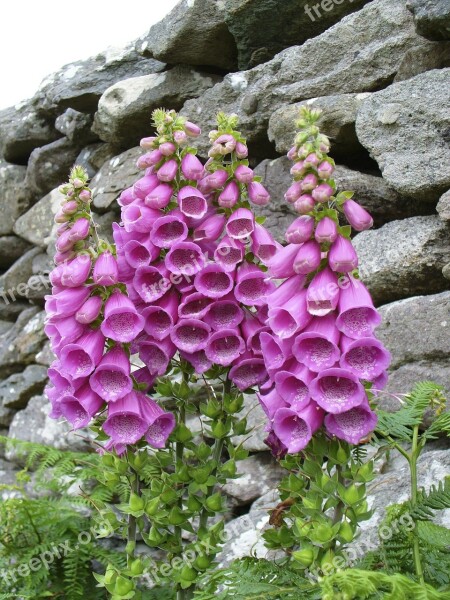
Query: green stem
[
  {"x": 132, "y": 524},
  {"x": 414, "y": 490}
]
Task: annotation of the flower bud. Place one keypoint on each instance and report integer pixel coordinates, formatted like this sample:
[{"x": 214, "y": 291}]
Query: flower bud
[
  {"x": 300, "y": 230},
  {"x": 298, "y": 169},
  {"x": 229, "y": 196},
  {"x": 90, "y": 310},
  {"x": 325, "y": 170},
  {"x": 180, "y": 137},
  {"x": 79, "y": 230},
  {"x": 60, "y": 217},
  {"x": 191, "y": 167},
  {"x": 322, "y": 193},
  {"x": 326, "y": 230},
  {"x": 309, "y": 182},
  {"x": 258, "y": 194},
  {"x": 241, "y": 150},
  {"x": 168, "y": 171},
  {"x": 304, "y": 204},
  {"x": 147, "y": 143},
  {"x": 311, "y": 160},
  {"x": 292, "y": 154},
  {"x": 150, "y": 159},
  {"x": 244, "y": 174},
  {"x": 70, "y": 208},
  {"x": 191, "y": 129},
  {"x": 342, "y": 256},
  {"x": 357, "y": 216},
  {"x": 77, "y": 183},
  {"x": 167, "y": 148},
  {"x": 106, "y": 271},
  {"x": 294, "y": 192}
]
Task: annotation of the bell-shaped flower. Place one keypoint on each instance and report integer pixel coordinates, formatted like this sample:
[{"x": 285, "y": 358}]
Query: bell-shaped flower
[
  {"x": 168, "y": 230},
  {"x": 357, "y": 216},
  {"x": 305, "y": 204},
  {"x": 192, "y": 203},
  {"x": 352, "y": 425},
  {"x": 294, "y": 192},
  {"x": 167, "y": 148},
  {"x": 111, "y": 379},
  {"x": 126, "y": 423},
  {"x": 326, "y": 231},
  {"x": 144, "y": 378},
  {"x": 137, "y": 217},
  {"x": 300, "y": 230},
  {"x": 210, "y": 229},
  {"x": 79, "y": 408},
  {"x": 127, "y": 197},
  {"x": 168, "y": 171},
  {"x": 295, "y": 429},
  {"x": 252, "y": 285},
  {"x": 367, "y": 358},
  {"x": 191, "y": 167},
  {"x": 337, "y": 390},
  {"x": 309, "y": 182},
  {"x": 213, "y": 281},
  {"x": 293, "y": 385},
  {"x": 194, "y": 306},
  {"x": 185, "y": 258},
  {"x": 357, "y": 315},
  {"x": 275, "y": 445},
  {"x": 157, "y": 354},
  {"x": 80, "y": 358},
  {"x": 198, "y": 360},
  {"x": 190, "y": 335},
  {"x": 229, "y": 253},
  {"x": 258, "y": 194},
  {"x": 79, "y": 230},
  {"x": 75, "y": 272},
  {"x": 213, "y": 181},
  {"x": 223, "y": 314},
  {"x": 149, "y": 159},
  {"x": 342, "y": 256},
  {"x": 106, "y": 271},
  {"x": 159, "y": 197},
  {"x": 308, "y": 258},
  {"x": 275, "y": 351},
  {"x": 241, "y": 224},
  {"x": 160, "y": 423},
  {"x": 244, "y": 174},
  {"x": 285, "y": 291},
  {"x": 271, "y": 402},
  {"x": 151, "y": 283},
  {"x": 291, "y": 317},
  {"x": 263, "y": 244},
  {"x": 323, "y": 293},
  {"x": 140, "y": 253},
  {"x": 162, "y": 316},
  {"x": 322, "y": 193},
  {"x": 122, "y": 323},
  {"x": 282, "y": 264},
  {"x": 67, "y": 302},
  {"x": 241, "y": 150},
  {"x": 317, "y": 346},
  {"x": 229, "y": 196},
  {"x": 224, "y": 347},
  {"x": 192, "y": 129},
  {"x": 143, "y": 186},
  {"x": 63, "y": 331},
  {"x": 247, "y": 371},
  {"x": 90, "y": 310}
]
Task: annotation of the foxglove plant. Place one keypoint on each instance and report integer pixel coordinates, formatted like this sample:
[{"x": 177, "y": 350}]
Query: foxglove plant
[
  {"x": 328, "y": 364},
  {"x": 176, "y": 301}
]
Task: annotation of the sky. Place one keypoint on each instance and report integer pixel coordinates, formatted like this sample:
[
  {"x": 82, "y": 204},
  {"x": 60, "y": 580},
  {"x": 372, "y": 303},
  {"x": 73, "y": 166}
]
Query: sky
[{"x": 39, "y": 37}]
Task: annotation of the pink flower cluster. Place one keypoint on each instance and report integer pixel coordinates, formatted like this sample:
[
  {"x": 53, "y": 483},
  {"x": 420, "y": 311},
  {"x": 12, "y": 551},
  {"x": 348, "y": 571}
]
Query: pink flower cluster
[
  {"x": 320, "y": 353},
  {"x": 90, "y": 323},
  {"x": 182, "y": 251}
]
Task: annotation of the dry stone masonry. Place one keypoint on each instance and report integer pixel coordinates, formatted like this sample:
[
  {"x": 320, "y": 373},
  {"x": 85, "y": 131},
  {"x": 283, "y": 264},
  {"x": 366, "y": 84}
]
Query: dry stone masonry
[{"x": 379, "y": 70}]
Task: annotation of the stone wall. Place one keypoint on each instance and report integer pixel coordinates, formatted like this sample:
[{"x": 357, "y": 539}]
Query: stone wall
[{"x": 379, "y": 70}]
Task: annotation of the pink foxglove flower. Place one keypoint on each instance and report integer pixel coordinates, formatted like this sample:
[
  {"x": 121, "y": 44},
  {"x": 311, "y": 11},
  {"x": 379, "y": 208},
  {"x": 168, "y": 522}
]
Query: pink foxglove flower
[
  {"x": 326, "y": 230},
  {"x": 160, "y": 423},
  {"x": 80, "y": 358},
  {"x": 229, "y": 195},
  {"x": 190, "y": 335},
  {"x": 317, "y": 346},
  {"x": 213, "y": 281},
  {"x": 352, "y": 425},
  {"x": 323, "y": 293},
  {"x": 224, "y": 347},
  {"x": 122, "y": 322},
  {"x": 192, "y": 203},
  {"x": 168, "y": 171},
  {"x": 241, "y": 224},
  {"x": 157, "y": 354},
  {"x": 229, "y": 253},
  {"x": 162, "y": 316},
  {"x": 143, "y": 187},
  {"x": 263, "y": 244},
  {"x": 357, "y": 315},
  {"x": 194, "y": 306},
  {"x": 308, "y": 258},
  {"x": 168, "y": 230},
  {"x": 185, "y": 258},
  {"x": 111, "y": 379},
  {"x": 357, "y": 216},
  {"x": 342, "y": 256},
  {"x": 126, "y": 423},
  {"x": 80, "y": 406},
  {"x": 367, "y": 357},
  {"x": 258, "y": 194},
  {"x": 252, "y": 286},
  {"x": 337, "y": 390},
  {"x": 106, "y": 271},
  {"x": 300, "y": 230},
  {"x": 248, "y": 371},
  {"x": 244, "y": 174},
  {"x": 223, "y": 314},
  {"x": 295, "y": 429},
  {"x": 191, "y": 167},
  {"x": 75, "y": 272},
  {"x": 159, "y": 197},
  {"x": 90, "y": 310},
  {"x": 291, "y": 317}
]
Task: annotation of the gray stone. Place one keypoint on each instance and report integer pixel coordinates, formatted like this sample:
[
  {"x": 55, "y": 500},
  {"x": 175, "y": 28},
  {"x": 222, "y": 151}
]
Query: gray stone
[
  {"x": 37, "y": 224},
  {"x": 8, "y": 473},
  {"x": 6, "y": 416},
  {"x": 381, "y": 200},
  {"x": 361, "y": 53},
  {"x": 115, "y": 175},
  {"x": 257, "y": 475},
  {"x": 406, "y": 130},
  {"x": 392, "y": 487},
  {"x": 404, "y": 258},
  {"x": 422, "y": 58},
  {"x": 14, "y": 281},
  {"x": 193, "y": 33},
  {"x": 256, "y": 25},
  {"x": 256, "y": 422},
  {"x": 34, "y": 425},
  {"x": 10, "y": 310},
  {"x": 402, "y": 380},
  {"x": 446, "y": 271},
  {"x": 104, "y": 225},
  {"x": 95, "y": 155},
  {"x": 124, "y": 110},
  {"x": 76, "y": 126},
  {"x": 80, "y": 84},
  {"x": 432, "y": 18},
  {"x": 4, "y": 327},
  {"x": 46, "y": 356},
  {"x": 13, "y": 197},
  {"x": 19, "y": 345},
  {"x": 11, "y": 249},
  {"x": 443, "y": 206},
  {"x": 50, "y": 165},
  {"x": 20, "y": 387},
  {"x": 22, "y": 130},
  {"x": 337, "y": 122}
]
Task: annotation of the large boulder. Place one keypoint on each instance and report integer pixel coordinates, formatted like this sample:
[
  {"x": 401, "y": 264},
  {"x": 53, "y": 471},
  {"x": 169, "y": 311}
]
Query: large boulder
[
  {"x": 14, "y": 281},
  {"x": 432, "y": 18},
  {"x": 424, "y": 57},
  {"x": 406, "y": 130},
  {"x": 380, "y": 199},
  {"x": 256, "y": 25},
  {"x": 36, "y": 225},
  {"x": 76, "y": 126},
  {"x": 14, "y": 199},
  {"x": 11, "y": 249},
  {"x": 443, "y": 206},
  {"x": 22, "y": 130},
  {"x": 361, "y": 53},
  {"x": 19, "y": 345},
  {"x": 417, "y": 333},
  {"x": 193, "y": 33},
  {"x": 80, "y": 84},
  {"x": 20, "y": 387},
  {"x": 124, "y": 110},
  {"x": 114, "y": 176},
  {"x": 257, "y": 475},
  {"x": 404, "y": 258}
]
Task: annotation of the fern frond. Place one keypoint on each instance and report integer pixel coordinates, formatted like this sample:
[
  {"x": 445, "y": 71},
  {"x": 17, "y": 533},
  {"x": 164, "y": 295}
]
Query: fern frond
[{"x": 437, "y": 498}]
